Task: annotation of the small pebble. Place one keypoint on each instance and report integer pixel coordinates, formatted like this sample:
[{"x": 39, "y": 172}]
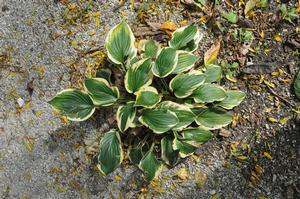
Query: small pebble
[{"x": 21, "y": 102}]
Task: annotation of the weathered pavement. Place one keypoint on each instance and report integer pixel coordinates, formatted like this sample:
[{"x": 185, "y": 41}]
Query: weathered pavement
[{"x": 43, "y": 157}]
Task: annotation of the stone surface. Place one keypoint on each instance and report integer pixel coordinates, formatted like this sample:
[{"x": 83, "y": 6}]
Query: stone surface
[{"x": 43, "y": 157}]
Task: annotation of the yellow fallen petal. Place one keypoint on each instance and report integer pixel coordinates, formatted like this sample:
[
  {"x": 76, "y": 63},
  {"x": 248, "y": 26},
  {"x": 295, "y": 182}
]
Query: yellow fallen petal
[
  {"x": 259, "y": 170},
  {"x": 272, "y": 119},
  {"x": 267, "y": 155},
  {"x": 118, "y": 178},
  {"x": 91, "y": 33},
  {"x": 284, "y": 120},
  {"x": 183, "y": 22},
  {"x": 270, "y": 84},
  {"x": 242, "y": 157},
  {"x": 277, "y": 38},
  {"x": 28, "y": 143}
]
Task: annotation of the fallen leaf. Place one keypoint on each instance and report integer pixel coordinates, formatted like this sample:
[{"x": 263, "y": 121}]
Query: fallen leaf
[
  {"x": 224, "y": 133},
  {"x": 262, "y": 197},
  {"x": 242, "y": 157},
  {"x": 216, "y": 196},
  {"x": 28, "y": 143},
  {"x": 284, "y": 120},
  {"x": 211, "y": 55},
  {"x": 183, "y": 173},
  {"x": 270, "y": 84},
  {"x": 277, "y": 38},
  {"x": 250, "y": 5},
  {"x": 183, "y": 22},
  {"x": 267, "y": 155},
  {"x": 118, "y": 178},
  {"x": 259, "y": 170},
  {"x": 272, "y": 119},
  {"x": 231, "y": 78},
  {"x": 91, "y": 33},
  {"x": 153, "y": 25},
  {"x": 200, "y": 179},
  {"x": 168, "y": 27}
]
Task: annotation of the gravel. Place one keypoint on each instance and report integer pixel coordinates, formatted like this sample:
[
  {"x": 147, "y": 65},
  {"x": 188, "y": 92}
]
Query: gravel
[{"x": 43, "y": 157}]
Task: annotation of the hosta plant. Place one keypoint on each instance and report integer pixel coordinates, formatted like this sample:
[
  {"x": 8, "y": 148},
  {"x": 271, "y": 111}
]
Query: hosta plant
[{"x": 166, "y": 106}]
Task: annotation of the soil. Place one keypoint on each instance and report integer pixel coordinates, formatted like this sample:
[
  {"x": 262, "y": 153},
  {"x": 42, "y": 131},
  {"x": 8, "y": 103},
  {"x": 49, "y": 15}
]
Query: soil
[{"x": 46, "y": 46}]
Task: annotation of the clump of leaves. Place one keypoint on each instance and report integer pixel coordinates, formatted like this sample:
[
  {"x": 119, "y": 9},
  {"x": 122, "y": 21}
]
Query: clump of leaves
[
  {"x": 230, "y": 70},
  {"x": 231, "y": 17},
  {"x": 288, "y": 14},
  {"x": 176, "y": 103},
  {"x": 243, "y": 35},
  {"x": 297, "y": 85}
]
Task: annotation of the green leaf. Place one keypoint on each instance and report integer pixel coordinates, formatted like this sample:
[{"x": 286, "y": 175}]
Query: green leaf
[
  {"x": 119, "y": 44},
  {"x": 75, "y": 104},
  {"x": 150, "y": 166},
  {"x": 213, "y": 73},
  {"x": 232, "y": 17},
  {"x": 297, "y": 86},
  {"x": 186, "y": 38},
  {"x": 197, "y": 134},
  {"x": 185, "y": 149},
  {"x": 110, "y": 152},
  {"x": 158, "y": 120},
  {"x": 126, "y": 116},
  {"x": 101, "y": 92},
  {"x": 137, "y": 152},
  {"x": 233, "y": 98},
  {"x": 183, "y": 85},
  {"x": 138, "y": 75},
  {"x": 183, "y": 113},
  {"x": 208, "y": 93},
  {"x": 186, "y": 61},
  {"x": 150, "y": 49},
  {"x": 104, "y": 73},
  {"x": 213, "y": 118},
  {"x": 147, "y": 97},
  {"x": 168, "y": 154},
  {"x": 165, "y": 62}
]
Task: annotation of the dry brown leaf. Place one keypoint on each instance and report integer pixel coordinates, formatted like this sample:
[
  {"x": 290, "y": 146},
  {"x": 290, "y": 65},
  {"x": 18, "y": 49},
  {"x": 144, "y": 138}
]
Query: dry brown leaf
[
  {"x": 183, "y": 173},
  {"x": 211, "y": 55},
  {"x": 250, "y": 5},
  {"x": 168, "y": 27},
  {"x": 153, "y": 25},
  {"x": 28, "y": 143},
  {"x": 200, "y": 178}
]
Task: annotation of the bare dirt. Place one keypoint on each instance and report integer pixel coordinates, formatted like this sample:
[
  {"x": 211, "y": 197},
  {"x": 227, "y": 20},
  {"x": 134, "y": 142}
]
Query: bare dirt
[{"x": 46, "y": 46}]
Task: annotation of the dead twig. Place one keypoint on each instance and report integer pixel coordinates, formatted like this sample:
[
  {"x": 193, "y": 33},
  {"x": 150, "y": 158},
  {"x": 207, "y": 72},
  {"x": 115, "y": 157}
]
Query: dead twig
[{"x": 280, "y": 97}]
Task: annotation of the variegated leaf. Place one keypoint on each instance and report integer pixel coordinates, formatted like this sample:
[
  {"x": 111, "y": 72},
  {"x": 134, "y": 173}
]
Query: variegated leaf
[
  {"x": 75, "y": 104},
  {"x": 233, "y": 98},
  {"x": 101, "y": 92},
  {"x": 119, "y": 44},
  {"x": 158, "y": 120},
  {"x": 138, "y": 75},
  {"x": 183, "y": 85},
  {"x": 213, "y": 118},
  {"x": 208, "y": 93},
  {"x": 165, "y": 62},
  {"x": 126, "y": 116},
  {"x": 147, "y": 97},
  {"x": 183, "y": 113},
  {"x": 186, "y": 38},
  {"x": 110, "y": 152}
]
